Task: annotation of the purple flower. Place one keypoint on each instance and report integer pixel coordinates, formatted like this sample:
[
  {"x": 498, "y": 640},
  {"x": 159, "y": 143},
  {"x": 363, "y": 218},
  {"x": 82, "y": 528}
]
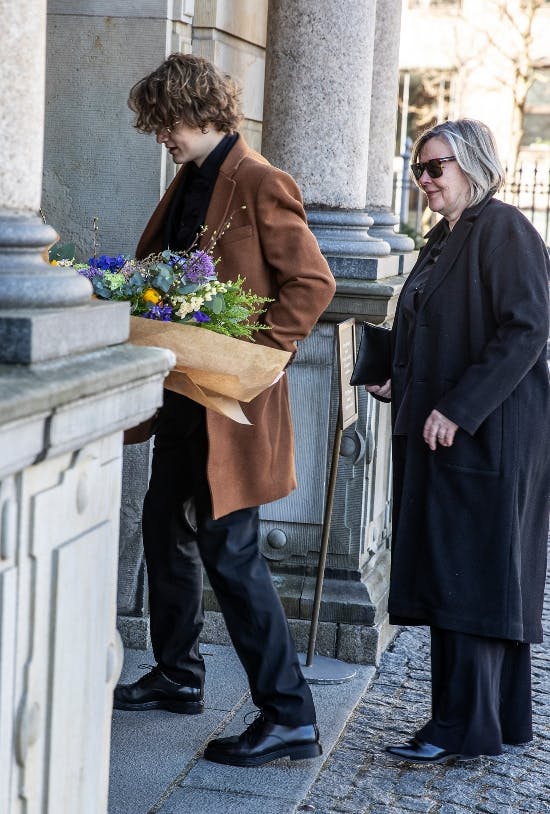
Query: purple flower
[
  {"x": 161, "y": 312},
  {"x": 200, "y": 268},
  {"x": 91, "y": 272},
  {"x": 200, "y": 316}
]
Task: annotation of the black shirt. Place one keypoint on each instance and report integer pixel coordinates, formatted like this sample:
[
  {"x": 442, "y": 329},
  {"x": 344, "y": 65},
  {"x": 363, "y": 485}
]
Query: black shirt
[
  {"x": 189, "y": 206},
  {"x": 408, "y": 310}
]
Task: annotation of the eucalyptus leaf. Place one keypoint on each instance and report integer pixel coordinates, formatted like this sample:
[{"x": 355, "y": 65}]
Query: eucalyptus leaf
[
  {"x": 101, "y": 289},
  {"x": 136, "y": 279},
  {"x": 164, "y": 279},
  {"x": 217, "y": 304}
]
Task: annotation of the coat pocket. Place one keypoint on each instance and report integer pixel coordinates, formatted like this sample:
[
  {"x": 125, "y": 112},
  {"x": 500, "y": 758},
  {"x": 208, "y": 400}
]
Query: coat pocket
[
  {"x": 239, "y": 233},
  {"x": 480, "y": 453}
]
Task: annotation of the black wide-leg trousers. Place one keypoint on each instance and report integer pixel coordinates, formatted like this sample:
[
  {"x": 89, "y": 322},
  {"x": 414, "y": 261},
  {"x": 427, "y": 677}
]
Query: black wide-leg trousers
[
  {"x": 175, "y": 554},
  {"x": 481, "y": 693}
]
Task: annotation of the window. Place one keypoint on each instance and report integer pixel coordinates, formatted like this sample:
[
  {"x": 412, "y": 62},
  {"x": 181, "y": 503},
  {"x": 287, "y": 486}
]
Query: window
[
  {"x": 536, "y": 119},
  {"x": 424, "y": 99}
]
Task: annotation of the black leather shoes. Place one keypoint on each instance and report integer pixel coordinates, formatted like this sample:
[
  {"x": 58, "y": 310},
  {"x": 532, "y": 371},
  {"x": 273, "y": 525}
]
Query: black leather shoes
[
  {"x": 418, "y": 751},
  {"x": 264, "y": 741},
  {"x": 156, "y": 691}
]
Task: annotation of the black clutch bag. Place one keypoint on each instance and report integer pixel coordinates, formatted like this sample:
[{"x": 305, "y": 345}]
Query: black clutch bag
[{"x": 373, "y": 362}]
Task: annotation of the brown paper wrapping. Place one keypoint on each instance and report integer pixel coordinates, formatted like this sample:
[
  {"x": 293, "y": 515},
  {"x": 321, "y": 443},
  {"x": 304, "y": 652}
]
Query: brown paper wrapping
[{"x": 214, "y": 370}]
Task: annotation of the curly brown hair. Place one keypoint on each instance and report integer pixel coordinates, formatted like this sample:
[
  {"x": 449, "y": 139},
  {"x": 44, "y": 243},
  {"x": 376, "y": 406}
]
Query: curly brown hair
[{"x": 189, "y": 89}]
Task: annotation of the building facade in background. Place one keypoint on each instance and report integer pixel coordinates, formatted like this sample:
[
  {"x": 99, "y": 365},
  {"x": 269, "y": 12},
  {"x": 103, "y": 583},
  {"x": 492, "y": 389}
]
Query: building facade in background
[{"x": 489, "y": 60}]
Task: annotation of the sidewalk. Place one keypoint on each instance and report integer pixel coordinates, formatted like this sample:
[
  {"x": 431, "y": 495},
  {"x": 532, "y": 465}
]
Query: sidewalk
[{"x": 156, "y": 764}]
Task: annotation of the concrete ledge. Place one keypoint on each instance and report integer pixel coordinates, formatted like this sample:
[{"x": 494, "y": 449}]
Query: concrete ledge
[
  {"x": 40, "y": 334},
  {"x": 59, "y": 406}
]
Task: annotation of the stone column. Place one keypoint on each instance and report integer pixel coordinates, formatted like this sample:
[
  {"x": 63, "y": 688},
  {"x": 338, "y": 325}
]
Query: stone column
[
  {"x": 319, "y": 126},
  {"x": 383, "y": 121},
  {"x": 316, "y": 122},
  {"x": 69, "y": 385},
  {"x": 25, "y": 279}
]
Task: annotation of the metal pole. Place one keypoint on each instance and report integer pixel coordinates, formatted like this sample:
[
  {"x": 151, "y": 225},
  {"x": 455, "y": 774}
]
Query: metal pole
[
  {"x": 404, "y": 208},
  {"x": 324, "y": 545},
  {"x": 404, "y": 111}
]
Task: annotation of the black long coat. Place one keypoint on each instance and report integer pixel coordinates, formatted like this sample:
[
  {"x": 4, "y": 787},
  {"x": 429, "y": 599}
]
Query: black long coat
[{"x": 471, "y": 521}]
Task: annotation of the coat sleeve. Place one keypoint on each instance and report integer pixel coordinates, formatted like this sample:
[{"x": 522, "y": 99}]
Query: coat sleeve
[
  {"x": 515, "y": 277},
  {"x": 302, "y": 277}
]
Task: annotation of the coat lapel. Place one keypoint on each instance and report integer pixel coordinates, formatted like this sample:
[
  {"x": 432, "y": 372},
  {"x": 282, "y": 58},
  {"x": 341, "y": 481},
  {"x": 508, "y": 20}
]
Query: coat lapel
[
  {"x": 221, "y": 204},
  {"x": 219, "y": 209},
  {"x": 451, "y": 249}
]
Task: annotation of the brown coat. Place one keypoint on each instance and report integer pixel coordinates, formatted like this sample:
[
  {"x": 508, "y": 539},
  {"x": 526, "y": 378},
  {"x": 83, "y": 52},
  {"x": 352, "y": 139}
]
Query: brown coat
[{"x": 268, "y": 243}]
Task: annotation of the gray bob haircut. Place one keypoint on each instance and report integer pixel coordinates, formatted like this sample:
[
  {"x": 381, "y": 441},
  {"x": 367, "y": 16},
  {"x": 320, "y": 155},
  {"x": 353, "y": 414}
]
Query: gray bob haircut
[{"x": 474, "y": 148}]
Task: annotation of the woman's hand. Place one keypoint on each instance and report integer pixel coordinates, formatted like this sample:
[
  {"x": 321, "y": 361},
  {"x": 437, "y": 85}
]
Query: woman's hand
[
  {"x": 439, "y": 429},
  {"x": 382, "y": 390}
]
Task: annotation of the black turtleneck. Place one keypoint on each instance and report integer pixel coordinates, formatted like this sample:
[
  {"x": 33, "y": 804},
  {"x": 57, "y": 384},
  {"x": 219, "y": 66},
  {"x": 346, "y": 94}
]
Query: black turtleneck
[{"x": 189, "y": 206}]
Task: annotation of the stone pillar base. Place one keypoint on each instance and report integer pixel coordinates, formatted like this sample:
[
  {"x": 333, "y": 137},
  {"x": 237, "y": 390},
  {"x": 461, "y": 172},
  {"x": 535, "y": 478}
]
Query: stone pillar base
[
  {"x": 353, "y": 617},
  {"x": 345, "y": 239},
  {"x": 356, "y": 644},
  {"x": 383, "y": 228},
  {"x": 27, "y": 280},
  {"x": 134, "y": 631},
  {"x": 374, "y": 301}
]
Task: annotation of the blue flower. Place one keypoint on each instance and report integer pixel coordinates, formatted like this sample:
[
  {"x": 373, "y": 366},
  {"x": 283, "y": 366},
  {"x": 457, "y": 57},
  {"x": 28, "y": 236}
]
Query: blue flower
[
  {"x": 200, "y": 316},
  {"x": 161, "y": 312},
  {"x": 107, "y": 263}
]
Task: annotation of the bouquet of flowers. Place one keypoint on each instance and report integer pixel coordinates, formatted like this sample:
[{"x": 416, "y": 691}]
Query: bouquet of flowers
[
  {"x": 175, "y": 287},
  {"x": 176, "y": 293}
]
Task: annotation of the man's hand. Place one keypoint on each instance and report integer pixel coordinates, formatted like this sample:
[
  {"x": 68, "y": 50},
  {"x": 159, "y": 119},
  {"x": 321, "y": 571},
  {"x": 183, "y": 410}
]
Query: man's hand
[
  {"x": 439, "y": 429},
  {"x": 382, "y": 390}
]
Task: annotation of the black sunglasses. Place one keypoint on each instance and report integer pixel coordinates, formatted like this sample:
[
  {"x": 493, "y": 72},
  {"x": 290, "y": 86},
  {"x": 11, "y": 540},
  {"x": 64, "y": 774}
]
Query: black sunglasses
[{"x": 433, "y": 167}]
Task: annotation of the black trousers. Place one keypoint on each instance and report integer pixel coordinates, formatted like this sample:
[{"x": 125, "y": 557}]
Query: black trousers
[
  {"x": 481, "y": 693},
  {"x": 228, "y": 549}
]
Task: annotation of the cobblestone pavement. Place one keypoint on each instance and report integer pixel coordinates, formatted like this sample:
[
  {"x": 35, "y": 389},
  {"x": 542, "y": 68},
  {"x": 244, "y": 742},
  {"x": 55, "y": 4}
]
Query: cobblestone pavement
[{"x": 359, "y": 778}]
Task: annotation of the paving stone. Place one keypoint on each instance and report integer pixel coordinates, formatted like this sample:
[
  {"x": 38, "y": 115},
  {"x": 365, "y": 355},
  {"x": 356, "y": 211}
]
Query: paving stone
[
  {"x": 397, "y": 702},
  {"x": 451, "y": 808}
]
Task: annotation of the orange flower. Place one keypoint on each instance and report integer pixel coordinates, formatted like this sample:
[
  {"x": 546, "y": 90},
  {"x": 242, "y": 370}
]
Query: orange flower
[{"x": 151, "y": 295}]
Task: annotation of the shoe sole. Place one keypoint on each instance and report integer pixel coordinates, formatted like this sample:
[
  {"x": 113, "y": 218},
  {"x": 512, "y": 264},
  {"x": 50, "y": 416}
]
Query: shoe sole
[
  {"x": 181, "y": 707},
  {"x": 424, "y": 762},
  {"x": 305, "y": 752}
]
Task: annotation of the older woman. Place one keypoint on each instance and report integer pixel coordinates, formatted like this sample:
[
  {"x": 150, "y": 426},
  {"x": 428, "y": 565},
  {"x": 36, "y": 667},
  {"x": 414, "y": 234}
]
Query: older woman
[{"x": 470, "y": 395}]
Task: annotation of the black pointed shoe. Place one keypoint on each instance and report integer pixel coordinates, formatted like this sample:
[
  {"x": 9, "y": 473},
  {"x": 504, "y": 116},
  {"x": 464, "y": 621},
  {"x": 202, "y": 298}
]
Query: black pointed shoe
[
  {"x": 154, "y": 690},
  {"x": 419, "y": 751},
  {"x": 264, "y": 741}
]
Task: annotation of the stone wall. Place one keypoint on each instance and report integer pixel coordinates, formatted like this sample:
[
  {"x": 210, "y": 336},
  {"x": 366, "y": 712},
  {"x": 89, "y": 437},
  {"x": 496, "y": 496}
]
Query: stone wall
[{"x": 95, "y": 164}]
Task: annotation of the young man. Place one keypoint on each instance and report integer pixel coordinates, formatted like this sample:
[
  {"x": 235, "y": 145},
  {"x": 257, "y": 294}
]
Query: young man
[{"x": 225, "y": 469}]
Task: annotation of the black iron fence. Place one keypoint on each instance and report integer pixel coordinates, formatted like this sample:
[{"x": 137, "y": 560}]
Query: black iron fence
[{"x": 528, "y": 189}]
